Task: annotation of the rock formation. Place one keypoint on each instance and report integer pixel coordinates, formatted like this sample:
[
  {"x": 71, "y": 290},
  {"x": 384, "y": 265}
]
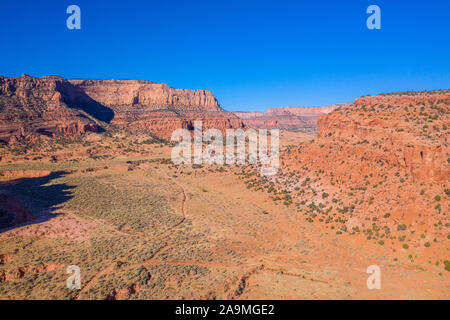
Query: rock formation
[
  {"x": 413, "y": 130},
  {"x": 383, "y": 158},
  {"x": 54, "y": 106},
  {"x": 289, "y": 118},
  {"x": 31, "y": 106},
  {"x": 144, "y": 106}
]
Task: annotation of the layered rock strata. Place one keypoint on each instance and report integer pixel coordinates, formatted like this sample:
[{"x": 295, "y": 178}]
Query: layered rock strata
[
  {"x": 54, "y": 106},
  {"x": 289, "y": 118}
]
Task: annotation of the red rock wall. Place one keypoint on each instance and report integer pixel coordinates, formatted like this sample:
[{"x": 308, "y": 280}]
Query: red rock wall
[
  {"x": 55, "y": 106},
  {"x": 303, "y": 111},
  {"x": 143, "y": 106},
  {"x": 116, "y": 93},
  {"x": 289, "y": 118},
  {"x": 411, "y": 130},
  {"x": 31, "y": 106}
]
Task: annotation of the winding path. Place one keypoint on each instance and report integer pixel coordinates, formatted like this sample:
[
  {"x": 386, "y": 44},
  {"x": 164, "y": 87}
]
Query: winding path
[
  {"x": 110, "y": 268},
  {"x": 237, "y": 289}
]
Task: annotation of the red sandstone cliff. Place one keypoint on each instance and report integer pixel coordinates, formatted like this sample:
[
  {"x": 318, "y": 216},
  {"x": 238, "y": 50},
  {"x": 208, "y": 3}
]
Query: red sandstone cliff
[
  {"x": 289, "y": 118},
  {"x": 377, "y": 163},
  {"x": 55, "y": 106},
  {"x": 304, "y": 111},
  {"x": 249, "y": 115},
  {"x": 157, "y": 108},
  {"x": 407, "y": 131},
  {"x": 31, "y": 106}
]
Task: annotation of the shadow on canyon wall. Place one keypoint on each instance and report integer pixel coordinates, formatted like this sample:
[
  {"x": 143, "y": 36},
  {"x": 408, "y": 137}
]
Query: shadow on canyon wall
[
  {"x": 76, "y": 98},
  {"x": 90, "y": 106}
]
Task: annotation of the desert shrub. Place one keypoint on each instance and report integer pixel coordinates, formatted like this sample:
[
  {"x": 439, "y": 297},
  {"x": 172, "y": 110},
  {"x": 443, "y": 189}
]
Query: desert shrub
[
  {"x": 126, "y": 208},
  {"x": 447, "y": 265}
]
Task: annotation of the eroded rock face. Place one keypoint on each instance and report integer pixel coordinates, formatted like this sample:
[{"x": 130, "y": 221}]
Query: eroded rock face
[
  {"x": 412, "y": 130},
  {"x": 303, "y": 111},
  {"x": 31, "y": 106},
  {"x": 249, "y": 115},
  {"x": 381, "y": 161},
  {"x": 143, "y": 106},
  {"x": 155, "y": 96},
  {"x": 54, "y": 106},
  {"x": 289, "y": 118}
]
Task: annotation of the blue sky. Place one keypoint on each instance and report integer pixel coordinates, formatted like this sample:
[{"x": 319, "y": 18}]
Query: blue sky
[{"x": 252, "y": 54}]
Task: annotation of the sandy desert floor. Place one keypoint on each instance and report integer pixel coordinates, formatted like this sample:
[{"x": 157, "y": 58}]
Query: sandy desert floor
[{"x": 140, "y": 228}]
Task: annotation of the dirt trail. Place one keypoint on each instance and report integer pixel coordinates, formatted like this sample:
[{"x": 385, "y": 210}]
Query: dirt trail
[
  {"x": 110, "y": 268},
  {"x": 242, "y": 283},
  {"x": 288, "y": 226}
]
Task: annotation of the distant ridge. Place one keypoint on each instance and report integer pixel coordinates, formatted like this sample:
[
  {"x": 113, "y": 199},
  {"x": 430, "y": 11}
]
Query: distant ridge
[{"x": 289, "y": 118}]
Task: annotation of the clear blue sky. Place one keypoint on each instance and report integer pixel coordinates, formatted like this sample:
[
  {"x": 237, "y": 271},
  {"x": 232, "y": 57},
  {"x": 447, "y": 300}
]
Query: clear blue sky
[{"x": 251, "y": 54}]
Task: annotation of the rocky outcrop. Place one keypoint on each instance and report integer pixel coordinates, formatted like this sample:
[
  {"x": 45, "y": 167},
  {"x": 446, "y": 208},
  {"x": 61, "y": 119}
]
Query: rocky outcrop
[
  {"x": 249, "y": 115},
  {"x": 54, "y": 106},
  {"x": 412, "y": 130},
  {"x": 379, "y": 163},
  {"x": 21, "y": 272},
  {"x": 304, "y": 111},
  {"x": 32, "y": 106},
  {"x": 144, "y": 106},
  {"x": 289, "y": 118},
  {"x": 126, "y": 93}
]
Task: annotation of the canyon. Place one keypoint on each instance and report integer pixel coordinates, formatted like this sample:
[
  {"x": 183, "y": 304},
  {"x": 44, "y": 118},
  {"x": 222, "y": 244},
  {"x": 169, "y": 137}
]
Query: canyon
[
  {"x": 371, "y": 187},
  {"x": 56, "y": 107}
]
